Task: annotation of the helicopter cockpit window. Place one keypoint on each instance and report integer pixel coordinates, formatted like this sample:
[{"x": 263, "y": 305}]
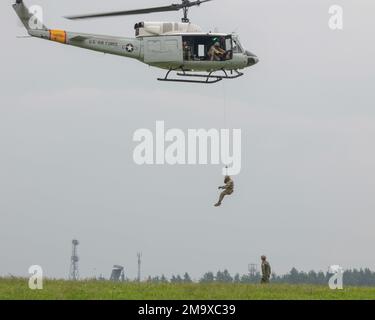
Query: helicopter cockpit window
[
  {"x": 201, "y": 51},
  {"x": 237, "y": 48},
  {"x": 207, "y": 48},
  {"x": 228, "y": 44}
]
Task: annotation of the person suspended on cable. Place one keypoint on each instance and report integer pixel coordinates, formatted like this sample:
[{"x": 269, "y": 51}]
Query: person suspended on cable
[{"x": 228, "y": 189}]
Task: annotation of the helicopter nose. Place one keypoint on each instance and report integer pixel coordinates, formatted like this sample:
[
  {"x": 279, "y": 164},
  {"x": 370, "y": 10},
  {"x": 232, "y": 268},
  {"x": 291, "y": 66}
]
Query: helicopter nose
[{"x": 252, "y": 59}]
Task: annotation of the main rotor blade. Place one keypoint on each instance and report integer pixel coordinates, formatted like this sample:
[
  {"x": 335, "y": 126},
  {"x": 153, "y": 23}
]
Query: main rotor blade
[
  {"x": 197, "y": 3},
  {"x": 173, "y": 7}
]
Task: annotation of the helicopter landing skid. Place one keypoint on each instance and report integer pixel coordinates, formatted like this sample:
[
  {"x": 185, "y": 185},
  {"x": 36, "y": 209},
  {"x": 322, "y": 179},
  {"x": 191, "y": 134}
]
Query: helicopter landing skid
[
  {"x": 210, "y": 75},
  {"x": 210, "y": 78}
]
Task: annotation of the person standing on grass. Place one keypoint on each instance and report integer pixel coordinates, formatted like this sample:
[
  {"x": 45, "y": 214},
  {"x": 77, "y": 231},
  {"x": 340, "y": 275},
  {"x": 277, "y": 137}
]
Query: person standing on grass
[{"x": 266, "y": 270}]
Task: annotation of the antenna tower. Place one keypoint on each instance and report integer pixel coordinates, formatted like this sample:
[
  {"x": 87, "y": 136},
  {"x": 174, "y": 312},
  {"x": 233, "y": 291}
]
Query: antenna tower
[{"x": 74, "y": 273}]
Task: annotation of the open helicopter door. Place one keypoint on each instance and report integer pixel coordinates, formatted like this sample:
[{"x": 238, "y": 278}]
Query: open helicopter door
[{"x": 163, "y": 49}]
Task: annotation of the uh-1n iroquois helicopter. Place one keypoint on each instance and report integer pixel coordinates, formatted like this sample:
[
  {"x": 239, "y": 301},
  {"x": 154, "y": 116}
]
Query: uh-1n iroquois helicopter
[{"x": 181, "y": 47}]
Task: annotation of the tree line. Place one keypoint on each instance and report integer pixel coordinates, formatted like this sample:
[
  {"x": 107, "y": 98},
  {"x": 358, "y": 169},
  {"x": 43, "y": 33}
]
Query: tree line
[{"x": 353, "y": 277}]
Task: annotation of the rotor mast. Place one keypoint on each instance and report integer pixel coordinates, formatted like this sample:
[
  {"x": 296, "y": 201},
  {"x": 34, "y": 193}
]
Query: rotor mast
[
  {"x": 185, "y": 8},
  {"x": 185, "y": 18}
]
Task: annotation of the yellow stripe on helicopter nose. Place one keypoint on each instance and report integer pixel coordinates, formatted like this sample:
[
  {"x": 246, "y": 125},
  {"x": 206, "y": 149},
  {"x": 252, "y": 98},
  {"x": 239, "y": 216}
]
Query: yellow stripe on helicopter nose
[{"x": 57, "y": 35}]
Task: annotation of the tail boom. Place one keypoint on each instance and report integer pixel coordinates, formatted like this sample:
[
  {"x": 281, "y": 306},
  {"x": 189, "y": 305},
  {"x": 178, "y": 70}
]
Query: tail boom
[{"x": 127, "y": 47}]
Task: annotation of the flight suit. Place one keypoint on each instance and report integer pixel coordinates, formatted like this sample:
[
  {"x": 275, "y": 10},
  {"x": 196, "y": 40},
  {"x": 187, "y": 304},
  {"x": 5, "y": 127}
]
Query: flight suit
[
  {"x": 215, "y": 53},
  {"x": 228, "y": 190},
  {"x": 266, "y": 272}
]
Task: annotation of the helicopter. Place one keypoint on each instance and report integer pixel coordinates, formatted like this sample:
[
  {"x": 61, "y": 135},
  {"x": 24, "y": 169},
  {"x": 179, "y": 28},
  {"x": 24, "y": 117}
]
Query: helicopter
[{"x": 181, "y": 48}]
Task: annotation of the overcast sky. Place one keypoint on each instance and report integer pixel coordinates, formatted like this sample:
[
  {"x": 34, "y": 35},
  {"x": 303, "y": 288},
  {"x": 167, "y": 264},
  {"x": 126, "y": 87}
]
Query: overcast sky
[{"x": 305, "y": 196}]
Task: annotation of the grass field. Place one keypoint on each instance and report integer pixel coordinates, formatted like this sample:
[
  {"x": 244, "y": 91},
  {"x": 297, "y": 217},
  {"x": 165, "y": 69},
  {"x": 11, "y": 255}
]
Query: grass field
[{"x": 17, "y": 289}]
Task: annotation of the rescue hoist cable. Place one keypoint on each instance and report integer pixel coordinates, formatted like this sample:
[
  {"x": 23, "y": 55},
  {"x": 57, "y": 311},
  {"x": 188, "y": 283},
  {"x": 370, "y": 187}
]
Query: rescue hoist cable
[{"x": 225, "y": 115}]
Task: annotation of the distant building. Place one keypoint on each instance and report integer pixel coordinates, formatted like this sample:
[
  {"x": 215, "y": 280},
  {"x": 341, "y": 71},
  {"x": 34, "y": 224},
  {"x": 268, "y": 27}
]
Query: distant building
[{"x": 118, "y": 274}]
